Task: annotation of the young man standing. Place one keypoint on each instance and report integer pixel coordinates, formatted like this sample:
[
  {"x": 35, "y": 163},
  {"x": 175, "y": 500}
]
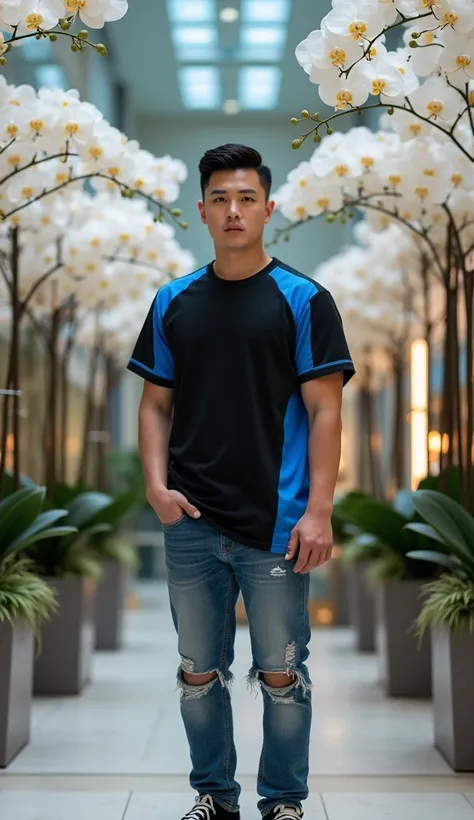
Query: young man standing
[{"x": 244, "y": 363}]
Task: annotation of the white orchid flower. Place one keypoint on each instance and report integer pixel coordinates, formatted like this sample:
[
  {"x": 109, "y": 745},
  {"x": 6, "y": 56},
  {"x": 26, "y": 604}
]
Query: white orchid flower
[
  {"x": 358, "y": 21},
  {"x": 322, "y": 51},
  {"x": 34, "y": 14},
  {"x": 95, "y": 13}
]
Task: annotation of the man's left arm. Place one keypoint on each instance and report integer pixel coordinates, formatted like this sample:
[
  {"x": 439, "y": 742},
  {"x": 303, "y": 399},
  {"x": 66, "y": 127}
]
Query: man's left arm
[
  {"x": 312, "y": 536},
  {"x": 324, "y": 364}
]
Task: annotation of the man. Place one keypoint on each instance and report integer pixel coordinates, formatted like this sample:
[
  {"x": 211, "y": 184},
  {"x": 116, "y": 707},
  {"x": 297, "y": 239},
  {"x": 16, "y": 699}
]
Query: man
[{"x": 240, "y": 433}]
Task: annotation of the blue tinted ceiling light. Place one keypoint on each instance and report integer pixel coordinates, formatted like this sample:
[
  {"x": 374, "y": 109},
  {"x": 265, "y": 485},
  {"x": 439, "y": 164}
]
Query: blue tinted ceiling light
[
  {"x": 191, "y": 11},
  {"x": 200, "y": 87},
  {"x": 259, "y": 87},
  {"x": 265, "y": 11}
]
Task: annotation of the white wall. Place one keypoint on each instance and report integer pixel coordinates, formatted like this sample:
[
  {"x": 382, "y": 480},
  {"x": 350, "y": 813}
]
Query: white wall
[{"x": 188, "y": 138}]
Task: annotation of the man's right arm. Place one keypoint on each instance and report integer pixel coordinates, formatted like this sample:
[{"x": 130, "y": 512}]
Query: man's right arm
[{"x": 155, "y": 419}]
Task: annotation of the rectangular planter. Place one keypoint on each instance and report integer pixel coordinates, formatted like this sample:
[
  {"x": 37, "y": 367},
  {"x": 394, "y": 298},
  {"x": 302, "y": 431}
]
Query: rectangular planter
[
  {"x": 16, "y": 686},
  {"x": 68, "y": 639},
  {"x": 453, "y": 695},
  {"x": 339, "y": 592},
  {"x": 361, "y": 607},
  {"x": 110, "y": 606},
  {"x": 404, "y": 662}
]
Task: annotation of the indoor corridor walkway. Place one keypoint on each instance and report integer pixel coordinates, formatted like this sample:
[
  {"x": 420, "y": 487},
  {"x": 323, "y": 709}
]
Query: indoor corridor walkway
[{"x": 119, "y": 751}]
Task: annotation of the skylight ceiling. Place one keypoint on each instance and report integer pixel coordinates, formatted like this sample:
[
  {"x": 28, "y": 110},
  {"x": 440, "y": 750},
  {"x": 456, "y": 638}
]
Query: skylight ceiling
[{"x": 250, "y": 37}]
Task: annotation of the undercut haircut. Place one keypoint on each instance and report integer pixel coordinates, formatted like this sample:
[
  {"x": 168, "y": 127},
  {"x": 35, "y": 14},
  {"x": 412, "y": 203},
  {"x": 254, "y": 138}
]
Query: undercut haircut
[{"x": 233, "y": 157}]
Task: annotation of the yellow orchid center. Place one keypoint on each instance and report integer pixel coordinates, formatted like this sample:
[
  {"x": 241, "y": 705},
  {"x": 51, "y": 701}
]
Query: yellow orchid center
[
  {"x": 323, "y": 202},
  {"x": 344, "y": 98},
  {"x": 72, "y": 128},
  {"x": 95, "y": 242},
  {"x": 160, "y": 193},
  {"x": 14, "y": 159},
  {"x": 301, "y": 212},
  {"x": 61, "y": 177},
  {"x": 12, "y": 129},
  {"x": 104, "y": 284},
  {"x": 394, "y": 179},
  {"x": 341, "y": 170},
  {"x": 95, "y": 152},
  {"x": 33, "y": 20},
  {"x": 27, "y": 191},
  {"x": 358, "y": 29},
  {"x": 113, "y": 171},
  {"x": 421, "y": 191},
  {"x": 463, "y": 61},
  {"x": 429, "y": 172},
  {"x": 450, "y": 18},
  {"x": 379, "y": 86},
  {"x": 415, "y": 128},
  {"x": 152, "y": 256},
  {"x": 367, "y": 162},
  {"x": 303, "y": 183},
  {"x": 456, "y": 179},
  {"x": 91, "y": 267},
  {"x": 124, "y": 237},
  {"x": 402, "y": 70},
  {"x": 36, "y": 125},
  {"x": 139, "y": 184},
  {"x": 73, "y": 6},
  {"x": 15, "y": 102},
  {"x": 337, "y": 56},
  {"x": 435, "y": 107}
]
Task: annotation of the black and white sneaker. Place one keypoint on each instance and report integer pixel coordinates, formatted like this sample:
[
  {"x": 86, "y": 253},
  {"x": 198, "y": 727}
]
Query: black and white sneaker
[
  {"x": 286, "y": 813},
  {"x": 206, "y": 809}
]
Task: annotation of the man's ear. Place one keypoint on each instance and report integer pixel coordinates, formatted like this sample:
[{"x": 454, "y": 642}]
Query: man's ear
[
  {"x": 202, "y": 211},
  {"x": 270, "y": 207}
]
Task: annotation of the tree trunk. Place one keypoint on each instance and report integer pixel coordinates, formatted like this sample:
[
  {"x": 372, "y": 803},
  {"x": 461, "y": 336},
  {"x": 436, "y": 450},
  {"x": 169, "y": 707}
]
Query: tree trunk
[
  {"x": 89, "y": 413},
  {"x": 15, "y": 357},
  {"x": 51, "y": 431}
]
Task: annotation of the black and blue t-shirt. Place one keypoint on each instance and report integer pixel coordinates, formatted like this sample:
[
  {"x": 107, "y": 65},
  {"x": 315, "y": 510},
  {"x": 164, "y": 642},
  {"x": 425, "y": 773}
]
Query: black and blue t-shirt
[{"x": 236, "y": 353}]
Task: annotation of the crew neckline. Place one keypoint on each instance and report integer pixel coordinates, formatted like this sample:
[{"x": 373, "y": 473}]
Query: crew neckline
[{"x": 247, "y": 280}]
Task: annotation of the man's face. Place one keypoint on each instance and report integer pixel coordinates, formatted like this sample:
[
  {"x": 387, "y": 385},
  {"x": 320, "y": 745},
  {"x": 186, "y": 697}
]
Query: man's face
[{"x": 235, "y": 209}]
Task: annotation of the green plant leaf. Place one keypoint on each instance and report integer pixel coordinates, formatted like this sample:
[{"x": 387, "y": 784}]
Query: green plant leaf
[
  {"x": 44, "y": 521},
  {"x": 433, "y": 557},
  {"x": 448, "y": 518},
  {"x": 426, "y": 530},
  {"x": 113, "y": 512},
  {"x": 449, "y": 602},
  {"x": 85, "y": 507},
  {"x": 383, "y": 522},
  {"x": 17, "y": 513},
  {"x": 403, "y": 504},
  {"x": 53, "y": 532}
]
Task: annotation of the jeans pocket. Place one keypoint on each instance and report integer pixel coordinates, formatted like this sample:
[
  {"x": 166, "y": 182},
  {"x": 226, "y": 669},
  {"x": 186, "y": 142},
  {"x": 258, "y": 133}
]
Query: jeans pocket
[{"x": 174, "y": 524}]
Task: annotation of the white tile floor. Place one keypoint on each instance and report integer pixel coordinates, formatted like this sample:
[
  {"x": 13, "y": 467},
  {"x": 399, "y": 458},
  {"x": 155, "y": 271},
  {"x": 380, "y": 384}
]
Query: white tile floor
[{"x": 119, "y": 751}]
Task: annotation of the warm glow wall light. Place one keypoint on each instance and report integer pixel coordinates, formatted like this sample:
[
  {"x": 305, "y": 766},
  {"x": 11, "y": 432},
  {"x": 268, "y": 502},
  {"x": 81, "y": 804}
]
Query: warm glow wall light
[{"x": 419, "y": 411}]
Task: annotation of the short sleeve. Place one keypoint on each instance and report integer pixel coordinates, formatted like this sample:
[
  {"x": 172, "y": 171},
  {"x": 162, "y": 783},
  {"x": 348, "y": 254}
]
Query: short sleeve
[
  {"x": 152, "y": 358},
  {"x": 321, "y": 346}
]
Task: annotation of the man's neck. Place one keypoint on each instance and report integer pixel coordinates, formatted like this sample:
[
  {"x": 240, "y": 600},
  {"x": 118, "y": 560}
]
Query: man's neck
[{"x": 240, "y": 264}]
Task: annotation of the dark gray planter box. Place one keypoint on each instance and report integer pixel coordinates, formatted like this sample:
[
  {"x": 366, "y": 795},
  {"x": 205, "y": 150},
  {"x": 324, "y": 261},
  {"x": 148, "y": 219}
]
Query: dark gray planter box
[
  {"x": 110, "y": 606},
  {"x": 16, "y": 685},
  {"x": 339, "y": 592},
  {"x": 361, "y": 607},
  {"x": 404, "y": 662},
  {"x": 453, "y": 695},
  {"x": 68, "y": 639}
]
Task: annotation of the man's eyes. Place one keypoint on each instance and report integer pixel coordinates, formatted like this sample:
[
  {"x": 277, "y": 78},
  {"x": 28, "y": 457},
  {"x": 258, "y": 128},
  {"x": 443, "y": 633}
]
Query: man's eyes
[{"x": 244, "y": 199}]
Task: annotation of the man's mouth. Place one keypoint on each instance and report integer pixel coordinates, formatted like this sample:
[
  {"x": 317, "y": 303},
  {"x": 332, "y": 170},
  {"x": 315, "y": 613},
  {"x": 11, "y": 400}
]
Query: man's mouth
[{"x": 234, "y": 228}]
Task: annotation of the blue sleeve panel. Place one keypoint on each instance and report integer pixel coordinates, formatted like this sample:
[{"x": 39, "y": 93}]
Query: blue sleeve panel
[
  {"x": 320, "y": 349},
  {"x": 152, "y": 358}
]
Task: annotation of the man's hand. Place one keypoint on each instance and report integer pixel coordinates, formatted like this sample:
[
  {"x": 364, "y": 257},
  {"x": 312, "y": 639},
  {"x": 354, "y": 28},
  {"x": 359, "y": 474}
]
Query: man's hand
[
  {"x": 170, "y": 505},
  {"x": 313, "y": 535}
]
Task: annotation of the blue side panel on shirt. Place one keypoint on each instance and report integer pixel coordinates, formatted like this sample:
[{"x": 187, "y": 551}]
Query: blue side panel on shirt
[
  {"x": 293, "y": 487},
  {"x": 298, "y": 291},
  {"x": 164, "y": 365}
]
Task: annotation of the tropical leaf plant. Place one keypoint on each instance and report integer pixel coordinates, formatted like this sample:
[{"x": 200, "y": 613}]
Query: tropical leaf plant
[
  {"x": 384, "y": 540},
  {"x": 449, "y": 529},
  {"x": 23, "y": 595}
]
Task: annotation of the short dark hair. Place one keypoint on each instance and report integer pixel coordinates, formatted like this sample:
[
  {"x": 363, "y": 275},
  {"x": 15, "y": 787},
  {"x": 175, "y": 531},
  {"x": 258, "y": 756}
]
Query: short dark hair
[{"x": 232, "y": 157}]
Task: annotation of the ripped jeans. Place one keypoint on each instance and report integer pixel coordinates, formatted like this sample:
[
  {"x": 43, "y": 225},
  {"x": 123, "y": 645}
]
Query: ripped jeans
[{"x": 206, "y": 571}]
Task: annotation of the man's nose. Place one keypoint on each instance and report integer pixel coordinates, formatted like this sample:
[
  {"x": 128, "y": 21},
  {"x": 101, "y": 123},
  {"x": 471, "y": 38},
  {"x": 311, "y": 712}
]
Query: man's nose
[{"x": 233, "y": 210}]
